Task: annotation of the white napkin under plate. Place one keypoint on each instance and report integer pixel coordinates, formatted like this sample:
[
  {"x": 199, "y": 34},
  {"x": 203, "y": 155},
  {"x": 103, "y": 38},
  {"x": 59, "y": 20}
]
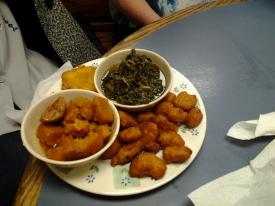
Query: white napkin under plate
[
  {"x": 40, "y": 91},
  {"x": 250, "y": 129},
  {"x": 253, "y": 185}
]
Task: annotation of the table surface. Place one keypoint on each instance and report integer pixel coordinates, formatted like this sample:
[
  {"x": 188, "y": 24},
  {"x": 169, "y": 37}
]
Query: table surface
[{"x": 228, "y": 54}]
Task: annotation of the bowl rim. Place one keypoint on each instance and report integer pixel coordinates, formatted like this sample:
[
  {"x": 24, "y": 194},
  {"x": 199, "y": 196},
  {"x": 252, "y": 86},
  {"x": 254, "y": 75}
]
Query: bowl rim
[
  {"x": 139, "y": 106},
  {"x": 70, "y": 162}
]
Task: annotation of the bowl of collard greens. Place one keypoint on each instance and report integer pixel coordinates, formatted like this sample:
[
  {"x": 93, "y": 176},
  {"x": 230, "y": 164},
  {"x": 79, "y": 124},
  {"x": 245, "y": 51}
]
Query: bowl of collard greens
[{"x": 134, "y": 79}]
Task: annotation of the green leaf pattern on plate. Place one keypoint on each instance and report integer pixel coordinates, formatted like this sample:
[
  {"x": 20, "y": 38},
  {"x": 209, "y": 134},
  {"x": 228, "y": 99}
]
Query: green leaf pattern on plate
[
  {"x": 122, "y": 179},
  {"x": 92, "y": 174}
]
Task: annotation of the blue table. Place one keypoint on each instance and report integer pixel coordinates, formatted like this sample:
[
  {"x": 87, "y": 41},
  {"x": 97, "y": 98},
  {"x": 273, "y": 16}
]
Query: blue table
[{"x": 228, "y": 54}]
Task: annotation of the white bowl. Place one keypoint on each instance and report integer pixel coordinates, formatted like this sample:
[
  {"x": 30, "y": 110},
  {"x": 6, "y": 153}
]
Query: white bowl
[
  {"x": 116, "y": 58},
  {"x": 31, "y": 122}
]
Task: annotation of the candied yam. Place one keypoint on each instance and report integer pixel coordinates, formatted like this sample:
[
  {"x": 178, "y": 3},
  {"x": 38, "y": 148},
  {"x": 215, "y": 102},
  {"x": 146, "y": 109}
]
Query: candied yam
[
  {"x": 102, "y": 110},
  {"x": 55, "y": 111},
  {"x": 49, "y": 135},
  {"x": 79, "y": 128}
]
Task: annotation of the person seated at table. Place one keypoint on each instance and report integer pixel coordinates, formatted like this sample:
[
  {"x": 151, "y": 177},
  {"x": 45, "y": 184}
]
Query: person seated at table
[
  {"x": 36, "y": 37},
  {"x": 139, "y": 13}
]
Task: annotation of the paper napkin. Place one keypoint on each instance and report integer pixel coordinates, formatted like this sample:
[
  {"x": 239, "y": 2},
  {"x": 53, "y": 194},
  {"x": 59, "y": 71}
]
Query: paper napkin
[
  {"x": 40, "y": 91},
  {"x": 250, "y": 129},
  {"x": 253, "y": 185}
]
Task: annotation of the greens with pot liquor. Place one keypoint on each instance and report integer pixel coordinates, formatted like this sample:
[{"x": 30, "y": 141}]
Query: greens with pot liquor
[{"x": 135, "y": 80}]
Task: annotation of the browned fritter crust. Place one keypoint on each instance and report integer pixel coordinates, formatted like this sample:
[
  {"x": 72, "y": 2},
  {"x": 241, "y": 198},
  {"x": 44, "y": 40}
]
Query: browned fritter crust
[
  {"x": 149, "y": 130},
  {"x": 185, "y": 101},
  {"x": 145, "y": 116},
  {"x": 112, "y": 150},
  {"x": 130, "y": 134},
  {"x": 170, "y": 138},
  {"x": 164, "y": 107},
  {"x": 164, "y": 124},
  {"x": 170, "y": 97},
  {"x": 177, "y": 115},
  {"x": 152, "y": 147},
  {"x": 176, "y": 154},
  {"x": 127, "y": 153},
  {"x": 193, "y": 118},
  {"x": 147, "y": 165},
  {"x": 126, "y": 120}
]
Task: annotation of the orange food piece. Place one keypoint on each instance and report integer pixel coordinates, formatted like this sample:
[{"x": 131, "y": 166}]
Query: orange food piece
[
  {"x": 130, "y": 134},
  {"x": 170, "y": 138},
  {"x": 193, "y": 118},
  {"x": 49, "y": 135},
  {"x": 176, "y": 154},
  {"x": 55, "y": 111},
  {"x": 185, "y": 101},
  {"x": 102, "y": 111},
  {"x": 112, "y": 150},
  {"x": 147, "y": 165},
  {"x": 81, "y": 77},
  {"x": 126, "y": 120}
]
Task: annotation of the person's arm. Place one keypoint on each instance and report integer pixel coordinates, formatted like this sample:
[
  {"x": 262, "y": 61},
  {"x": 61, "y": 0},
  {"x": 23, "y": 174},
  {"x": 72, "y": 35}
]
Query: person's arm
[{"x": 138, "y": 11}]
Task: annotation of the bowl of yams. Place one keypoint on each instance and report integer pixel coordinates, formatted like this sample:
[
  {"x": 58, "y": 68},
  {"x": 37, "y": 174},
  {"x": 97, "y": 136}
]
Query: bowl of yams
[{"x": 92, "y": 126}]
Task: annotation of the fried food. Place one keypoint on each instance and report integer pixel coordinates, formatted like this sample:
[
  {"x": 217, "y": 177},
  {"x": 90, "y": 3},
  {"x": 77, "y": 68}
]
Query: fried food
[
  {"x": 130, "y": 134},
  {"x": 81, "y": 77},
  {"x": 149, "y": 130},
  {"x": 177, "y": 115},
  {"x": 170, "y": 97},
  {"x": 112, "y": 150},
  {"x": 164, "y": 107},
  {"x": 144, "y": 134},
  {"x": 152, "y": 147},
  {"x": 126, "y": 120},
  {"x": 193, "y": 118},
  {"x": 145, "y": 116},
  {"x": 54, "y": 112},
  {"x": 103, "y": 113},
  {"x": 127, "y": 153},
  {"x": 170, "y": 138},
  {"x": 49, "y": 135},
  {"x": 185, "y": 101},
  {"x": 147, "y": 165},
  {"x": 164, "y": 124},
  {"x": 176, "y": 154}
]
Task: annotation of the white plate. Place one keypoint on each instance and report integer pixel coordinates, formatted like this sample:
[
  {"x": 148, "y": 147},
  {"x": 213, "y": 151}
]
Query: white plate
[{"x": 101, "y": 178}]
